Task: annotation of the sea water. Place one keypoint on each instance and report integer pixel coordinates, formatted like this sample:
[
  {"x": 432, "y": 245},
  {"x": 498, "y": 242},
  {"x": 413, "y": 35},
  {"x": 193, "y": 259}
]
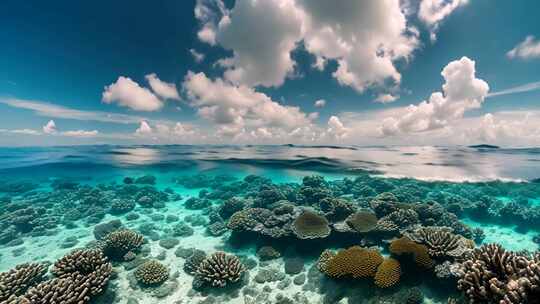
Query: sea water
[{"x": 42, "y": 179}]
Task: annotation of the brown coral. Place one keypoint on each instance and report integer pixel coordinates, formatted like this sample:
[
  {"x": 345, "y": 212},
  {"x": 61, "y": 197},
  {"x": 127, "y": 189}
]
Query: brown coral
[
  {"x": 441, "y": 242},
  {"x": 79, "y": 261},
  {"x": 121, "y": 242},
  {"x": 324, "y": 258},
  {"x": 355, "y": 261},
  {"x": 420, "y": 252},
  {"x": 388, "y": 273},
  {"x": 16, "y": 281},
  {"x": 362, "y": 221},
  {"x": 220, "y": 269},
  {"x": 310, "y": 225}
]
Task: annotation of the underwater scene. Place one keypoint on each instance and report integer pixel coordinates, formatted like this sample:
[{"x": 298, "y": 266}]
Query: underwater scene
[{"x": 269, "y": 224}]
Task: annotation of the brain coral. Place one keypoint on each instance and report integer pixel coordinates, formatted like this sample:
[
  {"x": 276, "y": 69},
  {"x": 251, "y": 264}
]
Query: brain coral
[
  {"x": 310, "y": 225},
  {"x": 17, "y": 280},
  {"x": 355, "y": 261},
  {"x": 362, "y": 221},
  {"x": 420, "y": 253},
  {"x": 120, "y": 242},
  {"x": 151, "y": 273},
  {"x": 388, "y": 273}
]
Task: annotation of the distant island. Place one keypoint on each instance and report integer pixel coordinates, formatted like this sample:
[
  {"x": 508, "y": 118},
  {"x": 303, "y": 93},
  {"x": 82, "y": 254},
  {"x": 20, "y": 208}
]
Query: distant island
[{"x": 484, "y": 146}]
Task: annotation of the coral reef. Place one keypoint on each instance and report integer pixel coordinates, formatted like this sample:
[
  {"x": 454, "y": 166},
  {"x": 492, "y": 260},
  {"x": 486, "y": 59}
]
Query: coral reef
[
  {"x": 16, "y": 281},
  {"x": 419, "y": 252},
  {"x": 220, "y": 269},
  {"x": 354, "y": 261},
  {"x": 151, "y": 273},
  {"x": 310, "y": 225},
  {"x": 121, "y": 242},
  {"x": 363, "y": 221},
  {"x": 441, "y": 242},
  {"x": 388, "y": 273}
]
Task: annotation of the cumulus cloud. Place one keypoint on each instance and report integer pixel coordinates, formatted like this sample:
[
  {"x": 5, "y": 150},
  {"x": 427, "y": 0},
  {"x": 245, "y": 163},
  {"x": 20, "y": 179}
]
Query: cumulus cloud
[
  {"x": 320, "y": 103},
  {"x": 527, "y": 49},
  {"x": 336, "y": 129},
  {"x": 433, "y": 12},
  {"x": 163, "y": 89},
  {"x": 365, "y": 38},
  {"x": 208, "y": 12},
  {"x": 143, "y": 129},
  {"x": 128, "y": 93},
  {"x": 50, "y": 127},
  {"x": 198, "y": 57},
  {"x": 234, "y": 108},
  {"x": 461, "y": 92},
  {"x": 386, "y": 98}
]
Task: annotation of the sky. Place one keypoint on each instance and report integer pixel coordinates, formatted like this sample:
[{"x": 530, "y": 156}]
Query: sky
[{"x": 388, "y": 72}]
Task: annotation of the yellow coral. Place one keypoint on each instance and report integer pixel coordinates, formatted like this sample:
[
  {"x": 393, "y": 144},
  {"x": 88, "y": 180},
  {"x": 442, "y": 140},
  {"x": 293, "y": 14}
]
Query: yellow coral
[
  {"x": 420, "y": 252},
  {"x": 388, "y": 273},
  {"x": 355, "y": 261}
]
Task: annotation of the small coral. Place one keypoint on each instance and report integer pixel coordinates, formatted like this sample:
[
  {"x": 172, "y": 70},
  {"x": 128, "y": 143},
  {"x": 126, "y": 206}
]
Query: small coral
[
  {"x": 310, "y": 225},
  {"x": 356, "y": 261},
  {"x": 120, "y": 242},
  {"x": 16, "y": 281},
  {"x": 151, "y": 273},
  {"x": 420, "y": 253},
  {"x": 441, "y": 242},
  {"x": 220, "y": 269},
  {"x": 362, "y": 221},
  {"x": 388, "y": 273}
]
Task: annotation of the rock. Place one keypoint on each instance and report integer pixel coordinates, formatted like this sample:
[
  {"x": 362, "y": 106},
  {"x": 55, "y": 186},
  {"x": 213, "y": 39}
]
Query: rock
[
  {"x": 300, "y": 279},
  {"x": 169, "y": 243},
  {"x": 294, "y": 266}
]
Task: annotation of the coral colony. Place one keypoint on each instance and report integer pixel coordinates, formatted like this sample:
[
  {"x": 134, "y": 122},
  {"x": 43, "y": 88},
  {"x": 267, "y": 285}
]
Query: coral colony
[{"x": 364, "y": 239}]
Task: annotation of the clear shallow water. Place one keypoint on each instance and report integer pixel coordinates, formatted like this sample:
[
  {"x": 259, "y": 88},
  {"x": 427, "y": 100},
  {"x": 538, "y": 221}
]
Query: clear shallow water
[{"x": 481, "y": 186}]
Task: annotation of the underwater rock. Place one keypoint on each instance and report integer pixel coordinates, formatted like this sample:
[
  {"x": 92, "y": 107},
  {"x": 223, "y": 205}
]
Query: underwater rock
[
  {"x": 151, "y": 273},
  {"x": 269, "y": 275},
  {"x": 121, "y": 206},
  {"x": 132, "y": 216},
  {"x": 299, "y": 279},
  {"x": 193, "y": 261},
  {"x": 168, "y": 243},
  {"x": 310, "y": 225},
  {"x": 217, "y": 229},
  {"x": 146, "y": 180},
  {"x": 171, "y": 218},
  {"x": 182, "y": 230},
  {"x": 294, "y": 265},
  {"x": 70, "y": 241},
  {"x": 220, "y": 269},
  {"x": 17, "y": 281},
  {"x": 266, "y": 253},
  {"x": 195, "y": 203}
]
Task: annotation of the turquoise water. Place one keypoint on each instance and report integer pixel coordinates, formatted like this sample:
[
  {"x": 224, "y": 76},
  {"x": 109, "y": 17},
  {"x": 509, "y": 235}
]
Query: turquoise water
[{"x": 182, "y": 198}]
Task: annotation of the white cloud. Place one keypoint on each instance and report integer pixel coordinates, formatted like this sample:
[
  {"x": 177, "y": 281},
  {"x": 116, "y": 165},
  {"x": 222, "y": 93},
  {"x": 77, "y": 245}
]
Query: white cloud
[
  {"x": 234, "y": 108},
  {"x": 461, "y": 92},
  {"x": 50, "y": 127},
  {"x": 386, "y": 98},
  {"x": 527, "y": 49},
  {"x": 163, "y": 89},
  {"x": 128, "y": 93},
  {"x": 21, "y": 131},
  {"x": 81, "y": 133},
  {"x": 320, "y": 103},
  {"x": 143, "y": 129},
  {"x": 198, "y": 57},
  {"x": 336, "y": 129},
  {"x": 533, "y": 86},
  {"x": 364, "y": 37},
  {"x": 208, "y": 12},
  {"x": 433, "y": 12}
]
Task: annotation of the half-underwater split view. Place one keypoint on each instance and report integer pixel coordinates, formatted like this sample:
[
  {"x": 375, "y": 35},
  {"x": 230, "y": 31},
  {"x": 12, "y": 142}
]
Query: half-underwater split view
[{"x": 270, "y": 152}]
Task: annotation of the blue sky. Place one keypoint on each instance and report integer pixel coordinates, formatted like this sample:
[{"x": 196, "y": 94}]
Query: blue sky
[{"x": 283, "y": 71}]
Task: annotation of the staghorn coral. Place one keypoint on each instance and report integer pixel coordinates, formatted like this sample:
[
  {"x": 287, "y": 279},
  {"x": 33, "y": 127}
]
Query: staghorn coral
[
  {"x": 355, "y": 261},
  {"x": 388, "y": 273},
  {"x": 441, "y": 242},
  {"x": 420, "y": 252},
  {"x": 120, "y": 242},
  {"x": 16, "y": 281},
  {"x": 220, "y": 269},
  {"x": 151, "y": 273},
  {"x": 310, "y": 225},
  {"x": 494, "y": 275},
  {"x": 362, "y": 221}
]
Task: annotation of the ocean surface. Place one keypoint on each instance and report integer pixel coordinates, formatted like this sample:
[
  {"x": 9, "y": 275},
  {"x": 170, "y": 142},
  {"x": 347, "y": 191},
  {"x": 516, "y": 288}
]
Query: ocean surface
[{"x": 183, "y": 199}]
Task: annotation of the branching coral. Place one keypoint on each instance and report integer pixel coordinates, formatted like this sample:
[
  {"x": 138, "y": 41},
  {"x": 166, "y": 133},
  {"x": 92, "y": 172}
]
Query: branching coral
[
  {"x": 120, "y": 242},
  {"x": 16, "y": 281},
  {"x": 441, "y": 242},
  {"x": 310, "y": 225},
  {"x": 220, "y": 269},
  {"x": 388, "y": 273},
  {"x": 420, "y": 252},
  {"x": 494, "y": 275},
  {"x": 81, "y": 262},
  {"x": 151, "y": 273}
]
